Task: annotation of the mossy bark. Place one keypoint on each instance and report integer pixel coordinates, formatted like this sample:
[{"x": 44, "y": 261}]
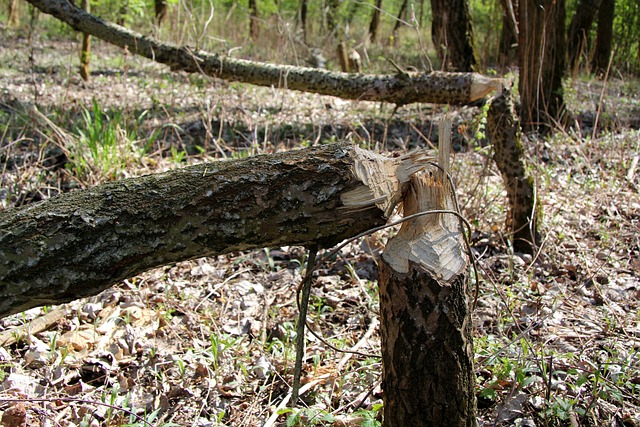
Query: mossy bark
[
  {"x": 78, "y": 244},
  {"x": 401, "y": 88},
  {"x": 525, "y": 212}
]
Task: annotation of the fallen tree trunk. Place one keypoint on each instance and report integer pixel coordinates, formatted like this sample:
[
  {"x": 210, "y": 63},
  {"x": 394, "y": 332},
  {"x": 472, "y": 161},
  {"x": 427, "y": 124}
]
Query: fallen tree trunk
[
  {"x": 401, "y": 89},
  {"x": 78, "y": 244}
]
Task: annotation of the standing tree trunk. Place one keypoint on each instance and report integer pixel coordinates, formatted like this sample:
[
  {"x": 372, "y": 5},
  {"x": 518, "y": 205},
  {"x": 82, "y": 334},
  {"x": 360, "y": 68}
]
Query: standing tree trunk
[
  {"x": 427, "y": 346},
  {"x": 578, "y": 38},
  {"x": 604, "y": 37},
  {"x": 399, "y": 20},
  {"x": 303, "y": 20},
  {"x": 85, "y": 53},
  {"x": 452, "y": 34},
  {"x": 254, "y": 23},
  {"x": 524, "y": 212},
  {"x": 509, "y": 32},
  {"x": 375, "y": 21},
  {"x": 161, "y": 9},
  {"x": 542, "y": 52}
]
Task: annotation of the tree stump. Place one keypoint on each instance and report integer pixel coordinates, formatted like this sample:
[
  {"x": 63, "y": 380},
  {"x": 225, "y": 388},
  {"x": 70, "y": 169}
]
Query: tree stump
[{"x": 427, "y": 348}]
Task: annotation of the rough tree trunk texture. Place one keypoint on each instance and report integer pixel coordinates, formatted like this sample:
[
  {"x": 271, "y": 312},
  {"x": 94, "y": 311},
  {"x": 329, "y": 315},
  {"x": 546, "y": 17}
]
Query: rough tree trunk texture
[
  {"x": 604, "y": 38},
  {"x": 401, "y": 89},
  {"x": 80, "y": 243},
  {"x": 427, "y": 347},
  {"x": 541, "y": 49},
  {"x": 452, "y": 34},
  {"x": 524, "y": 213},
  {"x": 578, "y": 38}
]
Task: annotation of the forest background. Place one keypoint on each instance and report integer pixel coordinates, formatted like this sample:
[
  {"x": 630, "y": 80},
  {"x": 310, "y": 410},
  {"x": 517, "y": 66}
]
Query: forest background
[{"x": 556, "y": 334}]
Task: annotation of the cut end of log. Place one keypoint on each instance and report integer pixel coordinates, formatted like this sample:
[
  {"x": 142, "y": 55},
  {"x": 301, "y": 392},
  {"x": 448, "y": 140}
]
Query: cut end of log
[
  {"x": 482, "y": 86},
  {"x": 384, "y": 179}
]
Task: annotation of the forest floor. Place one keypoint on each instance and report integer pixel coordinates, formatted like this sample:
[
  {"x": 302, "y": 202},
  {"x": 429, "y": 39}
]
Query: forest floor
[{"x": 210, "y": 342}]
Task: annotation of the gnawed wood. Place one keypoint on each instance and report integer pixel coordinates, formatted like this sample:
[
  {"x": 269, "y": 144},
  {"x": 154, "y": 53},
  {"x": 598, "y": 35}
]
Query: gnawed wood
[
  {"x": 427, "y": 347},
  {"x": 39, "y": 324},
  {"x": 401, "y": 89}
]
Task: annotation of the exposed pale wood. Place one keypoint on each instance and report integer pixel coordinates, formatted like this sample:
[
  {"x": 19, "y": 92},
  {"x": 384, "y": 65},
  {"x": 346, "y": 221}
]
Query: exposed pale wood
[
  {"x": 37, "y": 325},
  {"x": 401, "y": 89},
  {"x": 427, "y": 347}
]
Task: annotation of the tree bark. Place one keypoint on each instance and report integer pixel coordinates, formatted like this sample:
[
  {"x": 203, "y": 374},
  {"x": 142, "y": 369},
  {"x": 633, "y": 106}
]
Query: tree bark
[
  {"x": 80, "y": 243},
  {"x": 542, "y": 51},
  {"x": 509, "y": 32},
  {"x": 254, "y": 23},
  {"x": 603, "y": 38},
  {"x": 401, "y": 89},
  {"x": 427, "y": 347},
  {"x": 303, "y": 20},
  {"x": 525, "y": 212},
  {"x": 452, "y": 35},
  {"x": 85, "y": 53},
  {"x": 578, "y": 38},
  {"x": 375, "y": 21},
  {"x": 161, "y": 10}
]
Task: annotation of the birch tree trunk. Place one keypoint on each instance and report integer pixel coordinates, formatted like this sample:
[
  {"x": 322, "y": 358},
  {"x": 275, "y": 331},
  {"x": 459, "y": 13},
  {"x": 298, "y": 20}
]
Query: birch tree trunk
[{"x": 400, "y": 89}]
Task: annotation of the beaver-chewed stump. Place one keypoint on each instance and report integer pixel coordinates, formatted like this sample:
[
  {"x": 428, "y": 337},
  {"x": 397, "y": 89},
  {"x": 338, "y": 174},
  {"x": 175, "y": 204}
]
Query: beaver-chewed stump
[{"x": 427, "y": 347}]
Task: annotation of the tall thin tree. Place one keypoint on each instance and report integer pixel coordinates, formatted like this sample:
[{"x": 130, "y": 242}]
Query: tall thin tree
[
  {"x": 254, "y": 24},
  {"x": 375, "y": 21},
  {"x": 603, "y": 38},
  {"x": 542, "y": 53},
  {"x": 509, "y": 32},
  {"x": 303, "y": 20},
  {"x": 578, "y": 37}
]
